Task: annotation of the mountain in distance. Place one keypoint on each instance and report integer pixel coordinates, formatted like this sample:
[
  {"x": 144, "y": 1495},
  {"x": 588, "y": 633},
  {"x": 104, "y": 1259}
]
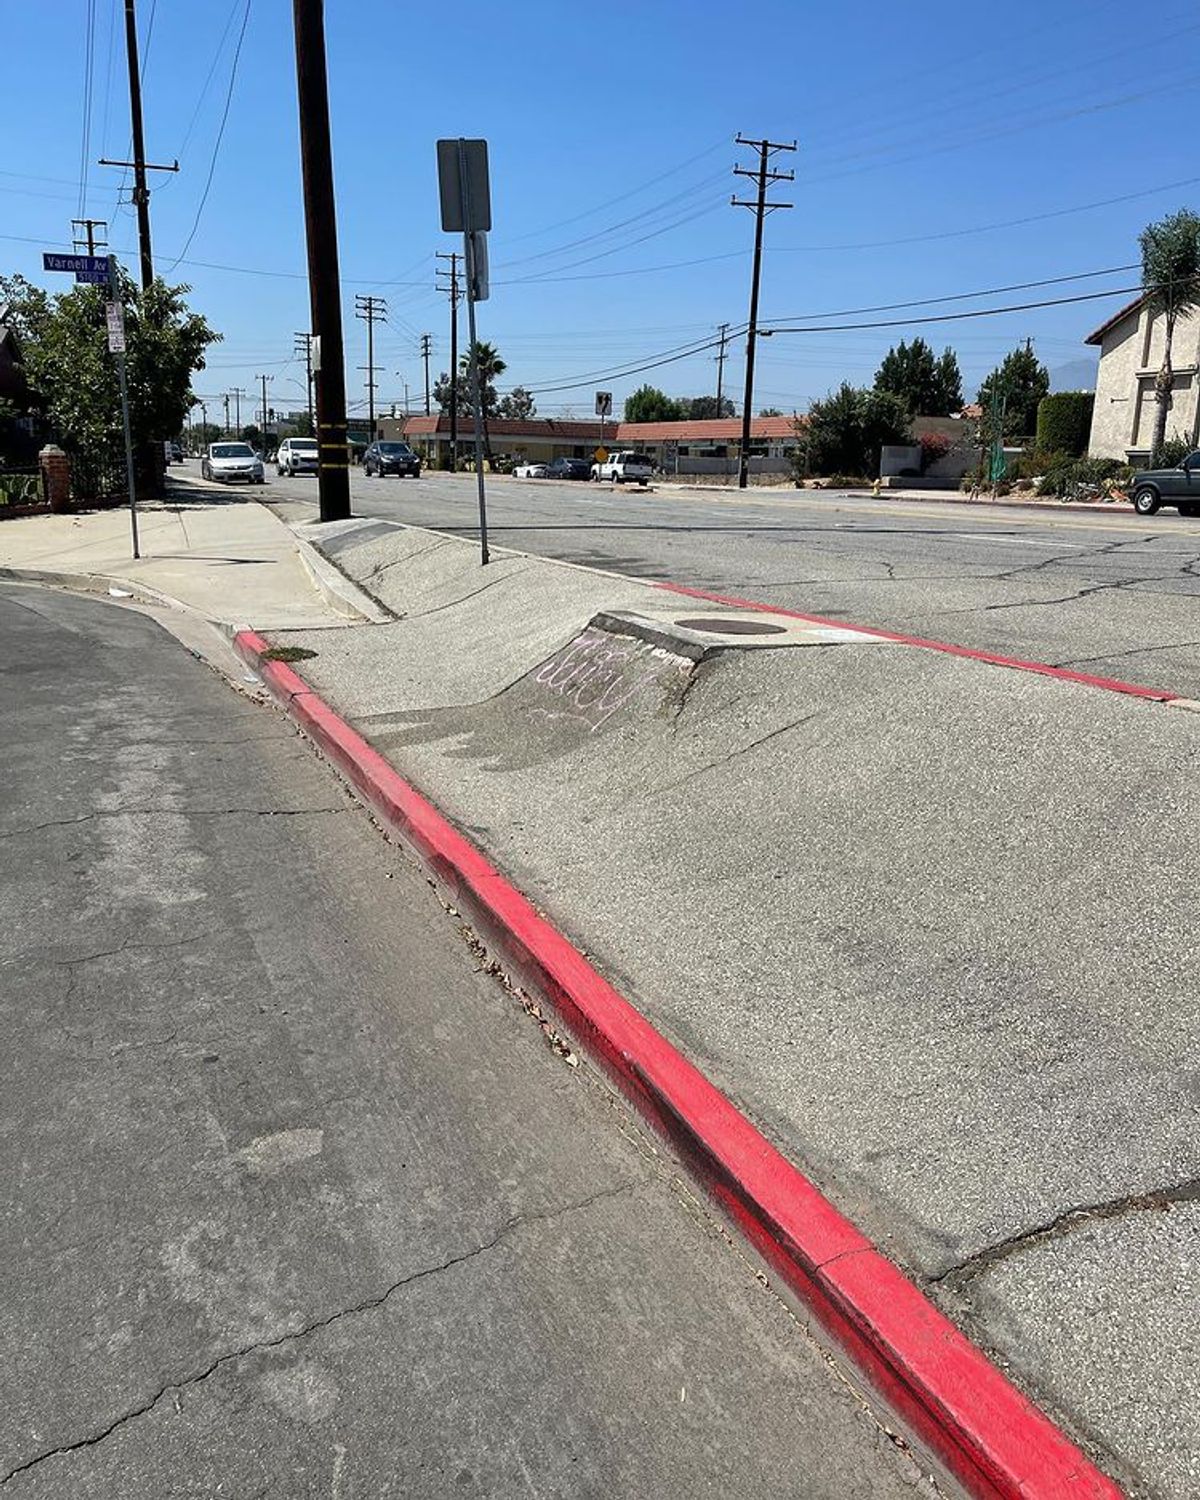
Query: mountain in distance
[{"x": 1075, "y": 375}]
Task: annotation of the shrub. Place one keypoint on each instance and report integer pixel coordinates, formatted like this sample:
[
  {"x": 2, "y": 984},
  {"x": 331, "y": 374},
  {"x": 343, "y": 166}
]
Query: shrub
[
  {"x": 1102, "y": 472},
  {"x": 934, "y": 446},
  {"x": 1174, "y": 451},
  {"x": 1064, "y": 422},
  {"x": 845, "y": 432}
]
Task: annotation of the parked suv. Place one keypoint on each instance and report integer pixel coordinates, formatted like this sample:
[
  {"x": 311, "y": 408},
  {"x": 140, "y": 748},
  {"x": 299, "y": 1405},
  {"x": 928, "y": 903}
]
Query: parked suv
[
  {"x": 626, "y": 467},
  {"x": 391, "y": 458},
  {"x": 296, "y": 456},
  {"x": 1181, "y": 487}
]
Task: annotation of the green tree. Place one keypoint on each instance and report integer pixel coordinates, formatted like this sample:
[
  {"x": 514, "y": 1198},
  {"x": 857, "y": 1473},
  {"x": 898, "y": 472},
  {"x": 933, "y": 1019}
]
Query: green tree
[
  {"x": 1171, "y": 278},
  {"x": 928, "y": 387},
  {"x": 705, "y": 408},
  {"x": 770, "y": 411},
  {"x": 252, "y": 434},
  {"x": 517, "y": 406},
  {"x": 649, "y": 404},
  {"x": 843, "y": 434},
  {"x": 74, "y": 378},
  {"x": 204, "y": 433},
  {"x": 1020, "y": 381}
]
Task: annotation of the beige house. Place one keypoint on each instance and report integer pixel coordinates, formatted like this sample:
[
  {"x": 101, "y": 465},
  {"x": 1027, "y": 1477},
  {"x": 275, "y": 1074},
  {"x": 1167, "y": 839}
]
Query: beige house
[{"x": 1131, "y": 351}]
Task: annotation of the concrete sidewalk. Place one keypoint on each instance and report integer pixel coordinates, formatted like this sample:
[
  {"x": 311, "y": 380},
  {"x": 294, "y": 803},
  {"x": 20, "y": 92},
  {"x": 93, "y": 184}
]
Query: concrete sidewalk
[
  {"x": 226, "y": 558},
  {"x": 930, "y": 922}
]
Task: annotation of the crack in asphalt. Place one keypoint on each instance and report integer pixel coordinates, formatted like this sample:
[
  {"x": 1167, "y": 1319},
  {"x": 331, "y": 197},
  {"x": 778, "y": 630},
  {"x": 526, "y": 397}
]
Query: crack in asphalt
[
  {"x": 368, "y": 1304},
  {"x": 172, "y": 812},
  {"x": 1071, "y": 1219},
  {"x": 1083, "y": 661}
]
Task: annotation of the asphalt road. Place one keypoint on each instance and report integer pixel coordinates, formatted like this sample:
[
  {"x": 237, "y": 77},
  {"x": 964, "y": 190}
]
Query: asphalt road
[
  {"x": 295, "y": 1201},
  {"x": 1116, "y": 595}
]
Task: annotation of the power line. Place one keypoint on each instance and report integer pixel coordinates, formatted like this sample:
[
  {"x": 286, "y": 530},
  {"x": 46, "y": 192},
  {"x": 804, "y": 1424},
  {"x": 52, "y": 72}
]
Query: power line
[
  {"x": 951, "y": 234},
  {"x": 212, "y": 68},
  {"x": 212, "y": 166},
  {"x": 983, "y": 312},
  {"x": 992, "y": 291},
  {"x": 617, "y": 249},
  {"x": 621, "y": 197},
  {"x": 85, "y": 145}
]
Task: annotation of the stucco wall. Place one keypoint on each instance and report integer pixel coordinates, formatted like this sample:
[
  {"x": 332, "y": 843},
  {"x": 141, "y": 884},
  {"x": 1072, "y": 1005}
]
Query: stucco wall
[{"x": 1123, "y": 418}]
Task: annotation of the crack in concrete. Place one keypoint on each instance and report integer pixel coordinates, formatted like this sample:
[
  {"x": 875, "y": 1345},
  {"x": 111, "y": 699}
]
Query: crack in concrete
[
  {"x": 368, "y": 1304},
  {"x": 763, "y": 739},
  {"x": 1071, "y": 1219},
  {"x": 172, "y": 812},
  {"x": 462, "y": 599}
]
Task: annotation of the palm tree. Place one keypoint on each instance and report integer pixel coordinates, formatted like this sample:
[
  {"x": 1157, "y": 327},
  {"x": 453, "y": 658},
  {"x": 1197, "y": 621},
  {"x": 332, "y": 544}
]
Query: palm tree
[
  {"x": 1171, "y": 277},
  {"x": 491, "y": 367}
]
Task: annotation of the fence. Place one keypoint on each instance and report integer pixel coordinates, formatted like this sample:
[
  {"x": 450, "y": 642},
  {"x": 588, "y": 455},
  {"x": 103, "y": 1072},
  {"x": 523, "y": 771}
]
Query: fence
[{"x": 21, "y": 485}]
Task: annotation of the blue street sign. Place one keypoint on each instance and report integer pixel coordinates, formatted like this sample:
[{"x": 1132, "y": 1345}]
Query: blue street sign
[
  {"x": 92, "y": 278},
  {"x": 97, "y": 264}
]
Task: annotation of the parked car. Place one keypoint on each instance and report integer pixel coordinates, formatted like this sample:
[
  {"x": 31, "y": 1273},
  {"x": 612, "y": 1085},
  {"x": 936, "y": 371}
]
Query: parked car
[
  {"x": 296, "y": 455},
  {"x": 1179, "y": 487},
  {"x": 172, "y": 453},
  {"x": 391, "y": 458},
  {"x": 626, "y": 467},
  {"x": 532, "y": 471},
  {"x": 569, "y": 468},
  {"x": 229, "y": 461}
]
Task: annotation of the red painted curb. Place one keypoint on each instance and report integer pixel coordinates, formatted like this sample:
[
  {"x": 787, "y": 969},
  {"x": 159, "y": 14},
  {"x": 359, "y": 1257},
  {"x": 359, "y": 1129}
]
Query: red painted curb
[
  {"x": 991, "y": 658},
  {"x": 994, "y": 1439}
]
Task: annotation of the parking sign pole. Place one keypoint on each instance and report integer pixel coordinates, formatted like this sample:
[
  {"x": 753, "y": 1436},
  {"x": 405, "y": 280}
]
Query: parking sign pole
[
  {"x": 476, "y": 384},
  {"x": 116, "y": 343}
]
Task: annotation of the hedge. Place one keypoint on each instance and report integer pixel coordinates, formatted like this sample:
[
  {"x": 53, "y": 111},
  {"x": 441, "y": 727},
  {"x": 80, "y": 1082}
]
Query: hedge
[{"x": 1064, "y": 422}]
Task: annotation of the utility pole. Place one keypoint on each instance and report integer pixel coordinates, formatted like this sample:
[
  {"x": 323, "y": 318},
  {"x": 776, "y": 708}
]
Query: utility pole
[
  {"x": 426, "y": 350},
  {"x": 453, "y": 257},
  {"x": 89, "y": 236},
  {"x": 320, "y": 221},
  {"x": 370, "y": 309},
  {"x": 264, "y": 379},
  {"x": 723, "y": 330},
  {"x": 225, "y": 398},
  {"x": 141, "y": 193},
  {"x": 761, "y": 174},
  {"x": 302, "y": 344},
  {"x": 237, "y": 393}
]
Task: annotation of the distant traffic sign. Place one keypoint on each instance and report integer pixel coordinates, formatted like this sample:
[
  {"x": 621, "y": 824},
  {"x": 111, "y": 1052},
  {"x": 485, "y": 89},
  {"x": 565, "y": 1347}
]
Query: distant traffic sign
[
  {"x": 90, "y": 265},
  {"x": 601, "y": 455},
  {"x": 604, "y": 403}
]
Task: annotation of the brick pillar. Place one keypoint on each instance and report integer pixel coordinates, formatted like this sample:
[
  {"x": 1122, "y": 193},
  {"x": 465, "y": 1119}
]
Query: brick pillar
[{"x": 56, "y": 477}]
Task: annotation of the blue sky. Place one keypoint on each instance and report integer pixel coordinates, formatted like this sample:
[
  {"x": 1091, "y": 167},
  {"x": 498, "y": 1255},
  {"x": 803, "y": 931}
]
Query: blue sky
[{"x": 611, "y": 136}]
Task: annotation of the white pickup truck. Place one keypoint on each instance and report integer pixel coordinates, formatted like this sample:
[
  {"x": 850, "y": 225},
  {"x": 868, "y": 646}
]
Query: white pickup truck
[{"x": 626, "y": 467}]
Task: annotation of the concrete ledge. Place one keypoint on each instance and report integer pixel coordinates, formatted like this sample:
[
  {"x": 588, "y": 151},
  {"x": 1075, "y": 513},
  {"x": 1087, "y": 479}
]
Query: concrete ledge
[{"x": 338, "y": 591}]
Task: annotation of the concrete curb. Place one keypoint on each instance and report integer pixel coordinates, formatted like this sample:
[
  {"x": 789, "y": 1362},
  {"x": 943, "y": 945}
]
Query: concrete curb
[
  {"x": 992, "y": 1438},
  {"x": 91, "y": 583},
  {"x": 989, "y": 658},
  {"x": 339, "y": 592}
]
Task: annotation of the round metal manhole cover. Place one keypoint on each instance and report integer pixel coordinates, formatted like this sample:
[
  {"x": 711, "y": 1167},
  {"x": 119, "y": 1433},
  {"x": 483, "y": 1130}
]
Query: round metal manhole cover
[{"x": 721, "y": 625}]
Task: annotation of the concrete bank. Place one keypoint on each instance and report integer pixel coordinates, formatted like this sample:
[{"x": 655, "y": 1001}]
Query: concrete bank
[{"x": 882, "y": 896}]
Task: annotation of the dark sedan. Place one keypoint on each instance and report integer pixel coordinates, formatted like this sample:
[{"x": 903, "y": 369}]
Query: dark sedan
[
  {"x": 569, "y": 468},
  {"x": 391, "y": 458}
]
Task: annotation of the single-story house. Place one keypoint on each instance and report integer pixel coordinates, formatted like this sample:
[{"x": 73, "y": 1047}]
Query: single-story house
[{"x": 1131, "y": 351}]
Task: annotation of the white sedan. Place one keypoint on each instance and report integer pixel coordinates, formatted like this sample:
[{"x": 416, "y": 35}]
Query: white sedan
[
  {"x": 532, "y": 471},
  {"x": 225, "y": 462}
]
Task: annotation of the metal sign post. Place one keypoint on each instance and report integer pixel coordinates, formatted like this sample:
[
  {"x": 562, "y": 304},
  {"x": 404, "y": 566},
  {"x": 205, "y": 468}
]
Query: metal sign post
[
  {"x": 115, "y": 316},
  {"x": 603, "y": 409},
  {"x": 101, "y": 270},
  {"x": 466, "y": 206}
]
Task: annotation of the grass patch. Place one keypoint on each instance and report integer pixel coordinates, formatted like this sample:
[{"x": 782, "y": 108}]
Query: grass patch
[{"x": 288, "y": 653}]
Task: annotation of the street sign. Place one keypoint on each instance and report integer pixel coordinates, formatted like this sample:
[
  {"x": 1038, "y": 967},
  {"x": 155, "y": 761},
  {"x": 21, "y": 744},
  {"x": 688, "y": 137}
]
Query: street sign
[
  {"x": 314, "y": 345},
  {"x": 601, "y": 455},
  {"x": 114, "y": 315},
  {"x": 96, "y": 265},
  {"x": 465, "y": 204},
  {"x": 604, "y": 403},
  {"x": 91, "y": 278}
]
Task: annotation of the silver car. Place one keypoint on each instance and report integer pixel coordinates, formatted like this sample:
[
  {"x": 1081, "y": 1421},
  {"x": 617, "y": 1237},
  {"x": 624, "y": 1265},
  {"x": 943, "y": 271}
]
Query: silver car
[{"x": 229, "y": 461}]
